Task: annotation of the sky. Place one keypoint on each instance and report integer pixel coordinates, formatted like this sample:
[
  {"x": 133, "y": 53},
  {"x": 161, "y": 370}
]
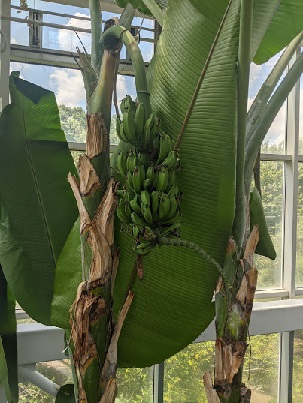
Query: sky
[{"x": 67, "y": 84}]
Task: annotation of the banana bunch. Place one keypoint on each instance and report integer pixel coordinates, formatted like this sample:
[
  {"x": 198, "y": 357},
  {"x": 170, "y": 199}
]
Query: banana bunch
[
  {"x": 136, "y": 127},
  {"x": 149, "y": 202}
]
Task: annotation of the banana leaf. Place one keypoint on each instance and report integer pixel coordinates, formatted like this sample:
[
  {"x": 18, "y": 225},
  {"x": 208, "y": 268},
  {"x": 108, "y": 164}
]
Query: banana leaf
[
  {"x": 140, "y": 5},
  {"x": 276, "y": 23},
  {"x": 172, "y": 305},
  {"x": 38, "y": 209},
  {"x": 8, "y": 348},
  {"x": 66, "y": 394}
]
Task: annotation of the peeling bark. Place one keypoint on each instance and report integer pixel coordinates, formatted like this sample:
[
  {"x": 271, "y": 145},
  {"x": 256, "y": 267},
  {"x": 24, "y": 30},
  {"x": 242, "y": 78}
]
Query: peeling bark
[
  {"x": 237, "y": 305},
  {"x": 94, "y": 332},
  {"x": 211, "y": 394}
]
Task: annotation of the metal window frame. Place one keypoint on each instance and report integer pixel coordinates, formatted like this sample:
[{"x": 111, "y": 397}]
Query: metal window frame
[{"x": 286, "y": 313}]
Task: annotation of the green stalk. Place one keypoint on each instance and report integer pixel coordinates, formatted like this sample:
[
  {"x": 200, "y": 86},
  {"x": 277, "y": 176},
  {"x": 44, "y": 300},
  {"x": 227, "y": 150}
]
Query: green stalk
[
  {"x": 263, "y": 96},
  {"x": 93, "y": 330},
  {"x": 112, "y": 38},
  {"x": 127, "y": 16},
  {"x": 96, "y": 28},
  {"x": 155, "y": 9},
  {"x": 193, "y": 246},
  {"x": 265, "y": 120},
  {"x": 243, "y": 81}
]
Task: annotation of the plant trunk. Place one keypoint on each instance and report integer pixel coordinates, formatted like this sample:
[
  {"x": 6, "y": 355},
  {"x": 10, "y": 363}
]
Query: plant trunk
[
  {"x": 94, "y": 332},
  {"x": 234, "y": 302}
]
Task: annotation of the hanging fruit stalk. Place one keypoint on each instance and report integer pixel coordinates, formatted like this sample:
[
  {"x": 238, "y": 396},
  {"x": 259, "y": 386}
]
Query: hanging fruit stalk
[{"x": 149, "y": 202}]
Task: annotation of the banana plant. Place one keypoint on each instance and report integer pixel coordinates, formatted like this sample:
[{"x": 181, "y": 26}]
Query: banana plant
[{"x": 198, "y": 93}]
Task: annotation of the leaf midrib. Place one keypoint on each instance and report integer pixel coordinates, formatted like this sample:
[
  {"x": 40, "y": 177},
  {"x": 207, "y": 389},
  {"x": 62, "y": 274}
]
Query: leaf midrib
[{"x": 38, "y": 192}]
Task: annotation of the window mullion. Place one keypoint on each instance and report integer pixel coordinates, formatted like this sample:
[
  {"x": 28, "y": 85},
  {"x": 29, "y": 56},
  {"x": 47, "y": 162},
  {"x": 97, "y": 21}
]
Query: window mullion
[
  {"x": 291, "y": 192},
  {"x": 5, "y": 9}
]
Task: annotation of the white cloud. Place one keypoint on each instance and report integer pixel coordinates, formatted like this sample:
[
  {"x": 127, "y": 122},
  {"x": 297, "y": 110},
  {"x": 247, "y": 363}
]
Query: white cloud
[
  {"x": 121, "y": 87},
  {"x": 276, "y": 133},
  {"x": 68, "y": 40},
  {"x": 68, "y": 86}
]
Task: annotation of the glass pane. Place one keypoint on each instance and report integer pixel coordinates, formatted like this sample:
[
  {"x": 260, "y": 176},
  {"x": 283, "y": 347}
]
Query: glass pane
[
  {"x": 262, "y": 367},
  {"x": 274, "y": 139},
  {"x": 301, "y": 118},
  {"x": 299, "y": 265},
  {"x": 135, "y": 385},
  {"x": 273, "y": 142},
  {"x": 272, "y": 197},
  {"x": 183, "y": 373},
  {"x": 57, "y": 371},
  {"x": 297, "y": 379}
]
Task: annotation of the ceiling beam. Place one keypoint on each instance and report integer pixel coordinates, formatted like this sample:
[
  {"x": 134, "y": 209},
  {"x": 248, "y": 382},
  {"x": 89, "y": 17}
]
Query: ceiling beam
[{"x": 106, "y": 5}]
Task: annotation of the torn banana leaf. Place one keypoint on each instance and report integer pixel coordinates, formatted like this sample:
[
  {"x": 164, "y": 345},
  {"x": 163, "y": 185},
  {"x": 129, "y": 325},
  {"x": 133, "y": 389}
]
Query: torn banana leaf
[{"x": 265, "y": 246}]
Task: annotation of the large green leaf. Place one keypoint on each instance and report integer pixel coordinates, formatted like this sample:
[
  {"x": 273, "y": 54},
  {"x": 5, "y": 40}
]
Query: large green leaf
[
  {"x": 276, "y": 23},
  {"x": 38, "y": 209},
  {"x": 140, "y": 5},
  {"x": 172, "y": 305},
  {"x": 8, "y": 348},
  {"x": 67, "y": 278},
  {"x": 66, "y": 394}
]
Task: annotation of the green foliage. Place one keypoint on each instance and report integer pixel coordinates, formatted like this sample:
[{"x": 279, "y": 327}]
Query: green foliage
[
  {"x": 152, "y": 330},
  {"x": 140, "y": 5},
  {"x": 265, "y": 246},
  {"x": 38, "y": 208},
  {"x": 8, "y": 337},
  {"x": 276, "y": 24},
  {"x": 73, "y": 123}
]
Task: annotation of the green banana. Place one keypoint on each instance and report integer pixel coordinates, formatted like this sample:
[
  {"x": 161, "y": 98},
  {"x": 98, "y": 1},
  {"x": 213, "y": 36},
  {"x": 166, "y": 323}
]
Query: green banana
[
  {"x": 164, "y": 206},
  {"x": 148, "y": 130},
  {"x": 138, "y": 220},
  {"x": 146, "y": 184},
  {"x": 121, "y": 133},
  {"x": 165, "y": 147},
  {"x": 173, "y": 208},
  {"x": 145, "y": 198},
  {"x": 129, "y": 126},
  {"x": 174, "y": 190},
  {"x": 127, "y": 103},
  {"x": 129, "y": 183},
  {"x": 131, "y": 161},
  {"x": 146, "y": 213},
  {"x": 136, "y": 231},
  {"x": 144, "y": 159},
  {"x": 171, "y": 179},
  {"x": 140, "y": 122},
  {"x": 162, "y": 179},
  {"x": 171, "y": 160},
  {"x": 121, "y": 164},
  {"x": 123, "y": 212},
  {"x": 150, "y": 174},
  {"x": 136, "y": 180},
  {"x": 135, "y": 204},
  {"x": 155, "y": 204}
]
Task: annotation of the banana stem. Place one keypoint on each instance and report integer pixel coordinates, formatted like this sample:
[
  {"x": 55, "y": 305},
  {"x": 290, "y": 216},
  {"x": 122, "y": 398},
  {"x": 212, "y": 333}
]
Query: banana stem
[
  {"x": 111, "y": 39},
  {"x": 193, "y": 246},
  {"x": 239, "y": 226},
  {"x": 127, "y": 16},
  {"x": 156, "y": 10},
  {"x": 96, "y": 22}
]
